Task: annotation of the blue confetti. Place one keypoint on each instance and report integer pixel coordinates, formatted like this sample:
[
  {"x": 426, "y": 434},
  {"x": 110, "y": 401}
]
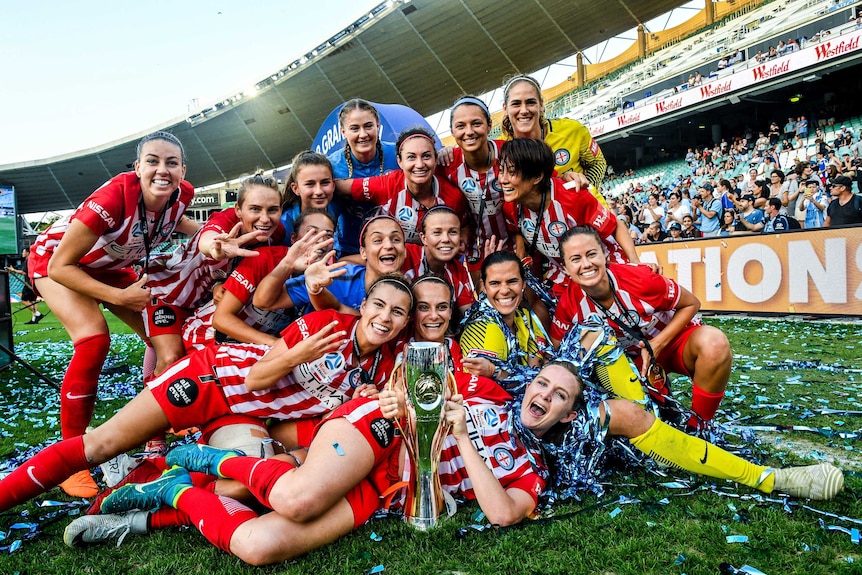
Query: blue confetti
[
  {"x": 377, "y": 569},
  {"x": 680, "y": 559},
  {"x": 737, "y": 538},
  {"x": 375, "y": 537},
  {"x": 338, "y": 449},
  {"x": 615, "y": 512}
]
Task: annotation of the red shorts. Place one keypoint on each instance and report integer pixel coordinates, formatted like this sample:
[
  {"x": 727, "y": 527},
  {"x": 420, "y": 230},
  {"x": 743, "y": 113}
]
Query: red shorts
[
  {"x": 671, "y": 358},
  {"x": 380, "y": 433},
  {"x": 188, "y": 392},
  {"x": 164, "y": 319},
  {"x": 121, "y": 278}
]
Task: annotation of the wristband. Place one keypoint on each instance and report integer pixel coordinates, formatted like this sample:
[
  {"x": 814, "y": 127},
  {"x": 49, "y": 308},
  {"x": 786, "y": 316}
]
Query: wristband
[{"x": 310, "y": 292}]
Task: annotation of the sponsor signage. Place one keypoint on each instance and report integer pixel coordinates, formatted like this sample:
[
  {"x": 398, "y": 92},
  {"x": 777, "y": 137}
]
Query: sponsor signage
[
  {"x": 801, "y": 272},
  {"x": 206, "y": 200},
  {"x": 743, "y": 77}
]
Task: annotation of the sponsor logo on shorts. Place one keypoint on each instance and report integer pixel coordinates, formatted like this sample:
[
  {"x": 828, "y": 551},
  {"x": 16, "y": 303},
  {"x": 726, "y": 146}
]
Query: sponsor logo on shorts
[
  {"x": 182, "y": 392},
  {"x": 504, "y": 458},
  {"x": 164, "y": 317},
  {"x": 383, "y": 431}
]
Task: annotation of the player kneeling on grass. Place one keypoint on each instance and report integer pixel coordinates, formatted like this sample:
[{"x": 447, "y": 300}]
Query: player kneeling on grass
[{"x": 315, "y": 506}]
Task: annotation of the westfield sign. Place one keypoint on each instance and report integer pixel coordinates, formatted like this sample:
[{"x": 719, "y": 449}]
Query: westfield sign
[
  {"x": 827, "y": 50},
  {"x": 763, "y": 72}
]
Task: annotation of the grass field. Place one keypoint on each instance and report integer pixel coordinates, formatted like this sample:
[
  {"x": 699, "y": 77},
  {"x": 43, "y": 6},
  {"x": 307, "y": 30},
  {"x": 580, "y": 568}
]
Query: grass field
[{"x": 656, "y": 530}]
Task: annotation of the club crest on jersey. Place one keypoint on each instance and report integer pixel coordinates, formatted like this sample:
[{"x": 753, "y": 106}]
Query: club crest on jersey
[
  {"x": 333, "y": 361},
  {"x": 495, "y": 185},
  {"x": 167, "y": 229},
  {"x": 405, "y": 214},
  {"x": 355, "y": 378},
  {"x": 182, "y": 392},
  {"x": 557, "y": 229},
  {"x": 469, "y": 186},
  {"x": 562, "y": 157},
  {"x": 504, "y": 458}
]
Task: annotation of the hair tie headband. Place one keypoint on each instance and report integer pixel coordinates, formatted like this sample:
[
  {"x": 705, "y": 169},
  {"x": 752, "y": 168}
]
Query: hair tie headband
[
  {"x": 417, "y": 135},
  {"x": 470, "y": 100},
  {"x": 375, "y": 218}
]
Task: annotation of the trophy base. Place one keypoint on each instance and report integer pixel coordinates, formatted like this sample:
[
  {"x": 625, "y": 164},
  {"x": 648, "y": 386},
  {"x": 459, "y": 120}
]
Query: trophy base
[{"x": 422, "y": 523}]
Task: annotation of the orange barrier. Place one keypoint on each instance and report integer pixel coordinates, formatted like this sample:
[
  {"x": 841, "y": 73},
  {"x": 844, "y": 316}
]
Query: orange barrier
[{"x": 800, "y": 272}]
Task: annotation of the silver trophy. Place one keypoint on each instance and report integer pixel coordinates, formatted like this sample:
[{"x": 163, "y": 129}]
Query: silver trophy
[{"x": 426, "y": 377}]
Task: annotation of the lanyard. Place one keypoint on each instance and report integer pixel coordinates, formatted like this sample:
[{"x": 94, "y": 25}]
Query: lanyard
[
  {"x": 539, "y": 219},
  {"x": 366, "y": 379},
  {"x": 145, "y": 228},
  {"x": 629, "y": 325}
]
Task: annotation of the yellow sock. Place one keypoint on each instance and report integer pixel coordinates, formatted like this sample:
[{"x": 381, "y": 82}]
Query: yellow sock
[
  {"x": 620, "y": 377},
  {"x": 674, "y": 448}
]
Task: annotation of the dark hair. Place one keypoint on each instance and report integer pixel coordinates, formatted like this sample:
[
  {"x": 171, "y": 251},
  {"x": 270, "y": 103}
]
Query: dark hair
[
  {"x": 774, "y": 202},
  {"x": 371, "y": 220},
  {"x": 305, "y": 214},
  {"x": 165, "y": 136},
  {"x": 470, "y": 100},
  {"x": 779, "y": 173},
  {"x": 506, "y": 124},
  {"x": 299, "y": 161},
  {"x": 396, "y": 280},
  {"x": 725, "y": 184},
  {"x": 365, "y": 106},
  {"x": 501, "y": 258},
  {"x": 414, "y": 132},
  {"x": 258, "y": 179},
  {"x": 438, "y": 209},
  {"x": 530, "y": 158},
  {"x": 580, "y": 231}
]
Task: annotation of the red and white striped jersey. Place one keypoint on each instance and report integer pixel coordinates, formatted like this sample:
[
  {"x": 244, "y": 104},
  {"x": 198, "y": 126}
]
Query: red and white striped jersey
[
  {"x": 390, "y": 192},
  {"x": 455, "y": 273},
  {"x": 487, "y": 407},
  {"x": 651, "y": 296},
  {"x": 186, "y": 278},
  {"x": 242, "y": 283},
  {"x": 565, "y": 209},
  {"x": 198, "y": 330},
  {"x": 310, "y": 389},
  {"x": 479, "y": 187},
  {"x": 113, "y": 213}
]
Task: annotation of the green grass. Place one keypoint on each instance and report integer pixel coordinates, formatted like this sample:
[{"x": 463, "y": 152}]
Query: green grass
[{"x": 649, "y": 536}]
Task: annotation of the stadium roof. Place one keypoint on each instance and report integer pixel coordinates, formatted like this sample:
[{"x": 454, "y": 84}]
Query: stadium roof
[{"x": 420, "y": 53}]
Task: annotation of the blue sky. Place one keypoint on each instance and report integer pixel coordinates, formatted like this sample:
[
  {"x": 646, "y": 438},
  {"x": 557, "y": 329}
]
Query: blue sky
[{"x": 81, "y": 74}]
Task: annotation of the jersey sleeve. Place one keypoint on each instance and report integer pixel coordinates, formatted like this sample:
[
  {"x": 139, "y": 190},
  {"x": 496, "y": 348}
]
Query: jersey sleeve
[
  {"x": 104, "y": 209},
  {"x": 297, "y": 291},
  {"x": 221, "y": 222},
  {"x": 244, "y": 279},
  {"x": 660, "y": 292},
  {"x": 566, "y": 315},
  {"x": 375, "y": 189},
  {"x": 511, "y": 216},
  {"x": 592, "y": 159},
  {"x": 486, "y": 339},
  {"x": 591, "y": 212}
]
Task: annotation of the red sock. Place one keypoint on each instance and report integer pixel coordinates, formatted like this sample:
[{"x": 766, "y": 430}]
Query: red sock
[
  {"x": 704, "y": 403},
  {"x": 45, "y": 470},
  {"x": 217, "y": 518},
  {"x": 259, "y": 475},
  {"x": 149, "y": 362},
  {"x": 168, "y": 517},
  {"x": 78, "y": 392}
]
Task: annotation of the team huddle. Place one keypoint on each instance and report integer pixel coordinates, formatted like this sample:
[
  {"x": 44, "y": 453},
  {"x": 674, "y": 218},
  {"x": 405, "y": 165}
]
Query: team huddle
[{"x": 279, "y": 327}]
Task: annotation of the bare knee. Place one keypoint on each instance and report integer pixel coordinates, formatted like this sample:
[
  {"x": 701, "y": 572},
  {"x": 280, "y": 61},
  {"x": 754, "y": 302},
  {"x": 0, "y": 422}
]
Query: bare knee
[
  {"x": 258, "y": 551},
  {"x": 628, "y": 419},
  {"x": 714, "y": 347},
  {"x": 300, "y": 507}
]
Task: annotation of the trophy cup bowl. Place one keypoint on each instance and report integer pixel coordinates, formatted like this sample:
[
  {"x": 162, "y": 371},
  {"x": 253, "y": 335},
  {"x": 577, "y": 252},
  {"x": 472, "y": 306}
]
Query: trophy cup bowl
[{"x": 426, "y": 378}]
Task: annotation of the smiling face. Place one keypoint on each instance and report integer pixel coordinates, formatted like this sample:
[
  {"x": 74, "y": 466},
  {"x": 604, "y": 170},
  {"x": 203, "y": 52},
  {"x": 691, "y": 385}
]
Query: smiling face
[
  {"x": 523, "y": 106},
  {"x": 504, "y": 287},
  {"x": 314, "y": 186},
  {"x": 441, "y": 235},
  {"x": 515, "y": 187},
  {"x": 549, "y": 399},
  {"x": 260, "y": 210},
  {"x": 316, "y": 223},
  {"x": 470, "y": 128},
  {"x": 585, "y": 261},
  {"x": 433, "y": 311},
  {"x": 160, "y": 169},
  {"x": 361, "y": 130},
  {"x": 383, "y": 247},
  {"x": 384, "y": 313},
  {"x": 417, "y": 160}
]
